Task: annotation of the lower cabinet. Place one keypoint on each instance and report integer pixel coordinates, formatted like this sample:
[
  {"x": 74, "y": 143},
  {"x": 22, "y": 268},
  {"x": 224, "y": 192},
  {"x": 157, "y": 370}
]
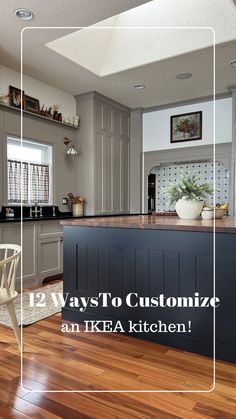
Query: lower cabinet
[
  {"x": 50, "y": 249},
  {"x": 50, "y": 256},
  {"x": 42, "y": 254},
  {"x": 11, "y": 233}
]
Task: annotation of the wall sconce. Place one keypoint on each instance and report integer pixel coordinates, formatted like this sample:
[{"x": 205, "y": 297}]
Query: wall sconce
[{"x": 71, "y": 150}]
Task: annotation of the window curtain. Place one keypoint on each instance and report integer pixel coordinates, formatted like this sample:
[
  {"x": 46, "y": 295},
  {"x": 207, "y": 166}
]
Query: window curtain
[
  {"x": 39, "y": 183},
  {"x": 15, "y": 169}
]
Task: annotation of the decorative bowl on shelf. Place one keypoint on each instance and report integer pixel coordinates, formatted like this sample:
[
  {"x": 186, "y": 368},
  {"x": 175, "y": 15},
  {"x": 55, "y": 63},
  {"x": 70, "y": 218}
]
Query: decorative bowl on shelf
[
  {"x": 207, "y": 213},
  {"x": 219, "y": 213}
]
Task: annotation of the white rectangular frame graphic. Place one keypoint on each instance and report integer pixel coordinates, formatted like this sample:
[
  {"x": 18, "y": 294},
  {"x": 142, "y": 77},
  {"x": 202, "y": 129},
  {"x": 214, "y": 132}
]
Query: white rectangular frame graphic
[{"x": 21, "y": 135}]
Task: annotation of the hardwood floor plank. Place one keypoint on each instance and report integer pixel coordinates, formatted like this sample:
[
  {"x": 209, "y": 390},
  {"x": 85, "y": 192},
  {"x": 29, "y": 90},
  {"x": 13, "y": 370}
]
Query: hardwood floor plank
[
  {"x": 48, "y": 405},
  {"x": 211, "y": 412},
  {"x": 53, "y": 360},
  {"x": 7, "y": 412}
]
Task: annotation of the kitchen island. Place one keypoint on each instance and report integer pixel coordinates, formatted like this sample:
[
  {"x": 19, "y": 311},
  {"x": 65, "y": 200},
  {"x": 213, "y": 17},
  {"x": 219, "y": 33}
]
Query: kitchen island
[{"x": 145, "y": 256}]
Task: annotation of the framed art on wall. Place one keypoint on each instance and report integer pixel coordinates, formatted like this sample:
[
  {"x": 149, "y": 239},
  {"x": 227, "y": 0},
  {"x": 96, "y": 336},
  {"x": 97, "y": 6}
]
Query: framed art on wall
[
  {"x": 15, "y": 96},
  {"x": 31, "y": 104},
  {"x": 186, "y": 127}
]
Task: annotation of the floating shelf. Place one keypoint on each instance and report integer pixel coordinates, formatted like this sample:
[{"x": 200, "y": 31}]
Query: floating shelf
[{"x": 54, "y": 121}]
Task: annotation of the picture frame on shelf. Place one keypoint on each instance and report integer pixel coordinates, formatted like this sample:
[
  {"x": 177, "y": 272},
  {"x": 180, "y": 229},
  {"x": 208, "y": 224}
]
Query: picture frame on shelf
[
  {"x": 186, "y": 127},
  {"x": 31, "y": 104},
  {"x": 15, "y": 97}
]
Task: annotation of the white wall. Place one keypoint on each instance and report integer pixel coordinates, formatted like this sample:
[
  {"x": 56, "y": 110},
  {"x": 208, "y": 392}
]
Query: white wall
[
  {"x": 47, "y": 95},
  {"x": 156, "y": 125}
]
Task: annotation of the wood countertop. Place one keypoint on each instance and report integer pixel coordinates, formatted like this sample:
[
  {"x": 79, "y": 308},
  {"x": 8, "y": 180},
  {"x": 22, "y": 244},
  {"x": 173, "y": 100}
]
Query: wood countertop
[{"x": 224, "y": 225}]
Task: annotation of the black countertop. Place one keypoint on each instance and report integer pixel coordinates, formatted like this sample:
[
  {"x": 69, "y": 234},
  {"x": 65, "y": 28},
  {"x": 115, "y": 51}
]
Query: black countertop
[
  {"x": 47, "y": 214},
  {"x": 44, "y": 218}
]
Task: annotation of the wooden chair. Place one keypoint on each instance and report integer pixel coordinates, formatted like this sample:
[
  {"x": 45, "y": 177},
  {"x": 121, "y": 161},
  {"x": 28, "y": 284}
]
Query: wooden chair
[{"x": 9, "y": 259}]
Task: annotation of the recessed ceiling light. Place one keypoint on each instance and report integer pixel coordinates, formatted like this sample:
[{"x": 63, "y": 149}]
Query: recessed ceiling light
[
  {"x": 24, "y": 14},
  {"x": 139, "y": 86},
  {"x": 184, "y": 76},
  {"x": 233, "y": 62}
]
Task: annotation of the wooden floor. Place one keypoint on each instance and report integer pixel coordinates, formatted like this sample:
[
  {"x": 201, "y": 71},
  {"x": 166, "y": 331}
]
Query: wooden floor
[{"x": 57, "y": 361}]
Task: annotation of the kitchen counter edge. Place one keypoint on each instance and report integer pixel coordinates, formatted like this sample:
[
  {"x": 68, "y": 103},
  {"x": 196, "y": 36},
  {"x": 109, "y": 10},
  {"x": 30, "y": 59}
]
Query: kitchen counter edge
[{"x": 224, "y": 225}]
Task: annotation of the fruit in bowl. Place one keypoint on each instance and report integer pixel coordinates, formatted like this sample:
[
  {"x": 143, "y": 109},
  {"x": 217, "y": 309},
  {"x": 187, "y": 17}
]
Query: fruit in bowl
[{"x": 220, "y": 210}]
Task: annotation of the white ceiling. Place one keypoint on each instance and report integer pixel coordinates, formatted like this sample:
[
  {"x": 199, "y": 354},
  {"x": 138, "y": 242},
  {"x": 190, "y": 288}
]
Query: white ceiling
[
  {"x": 51, "y": 13},
  {"x": 159, "y": 76}
]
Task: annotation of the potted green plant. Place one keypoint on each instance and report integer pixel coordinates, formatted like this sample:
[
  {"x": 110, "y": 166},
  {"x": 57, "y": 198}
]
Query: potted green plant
[{"x": 187, "y": 194}]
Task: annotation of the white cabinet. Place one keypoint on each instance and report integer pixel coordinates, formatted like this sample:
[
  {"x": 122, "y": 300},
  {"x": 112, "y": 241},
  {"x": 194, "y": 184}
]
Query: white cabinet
[
  {"x": 11, "y": 233},
  {"x": 50, "y": 249},
  {"x": 103, "y": 170},
  {"x": 116, "y": 122},
  {"x": 42, "y": 254},
  {"x": 124, "y": 175},
  {"x": 124, "y": 125},
  {"x": 50, "y": 257},
  {"x": 107, "y": 118},
  {"x": 104, "y": 139},
  {"x": 107, "y": 173},
  {"x": 116, "y": 163},
  {"x": 50, "y": 228},
  {"x": 120, "y": 163},
  {"x": 98, "y": 119},
  {"x": 103, "y": 117},
  {"x": 111, "y": 145},
  {"x": 98, "y": 166},
  {"x": 111, "y": 174}
]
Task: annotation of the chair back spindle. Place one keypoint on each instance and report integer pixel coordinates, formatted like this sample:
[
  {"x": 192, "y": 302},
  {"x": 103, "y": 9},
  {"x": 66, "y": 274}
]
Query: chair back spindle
[{"x": 9, "y": 259}]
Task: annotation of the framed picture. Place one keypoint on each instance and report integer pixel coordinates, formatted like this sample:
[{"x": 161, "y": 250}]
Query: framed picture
[
  {"x": 31, "y": 104},
  {"x": 186, "y": 127},
  {"x": 15, "y": 97}
]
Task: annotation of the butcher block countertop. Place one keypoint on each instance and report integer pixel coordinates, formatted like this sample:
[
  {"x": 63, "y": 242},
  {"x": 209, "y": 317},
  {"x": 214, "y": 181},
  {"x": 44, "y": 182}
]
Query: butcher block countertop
[{"x": 224, "y": 225}]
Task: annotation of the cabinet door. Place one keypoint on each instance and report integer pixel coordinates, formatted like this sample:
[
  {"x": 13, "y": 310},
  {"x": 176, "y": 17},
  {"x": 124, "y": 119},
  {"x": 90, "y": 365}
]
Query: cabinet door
[
  {"x": 11, "y": 233},
  {"x": 98, "y": 163},
  {"x": 125, "y": 175},
  {"x": 116, "y": 116},
  {"x": 103, "y": 173},
  {"x": 98, "y": 116},
  {"x": 106, "y": 173},
  {"x": 103, "y": 117},
  {"x": 124, "y": 125},
  {"x": 107, "y": 118},
  {"x": 50, "y": 259},
  {"x": 116, "y": 164}
]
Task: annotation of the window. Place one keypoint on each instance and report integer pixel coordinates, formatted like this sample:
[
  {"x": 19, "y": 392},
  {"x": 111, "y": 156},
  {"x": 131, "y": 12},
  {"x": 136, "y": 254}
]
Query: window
[{"x": 29, "y": 170}]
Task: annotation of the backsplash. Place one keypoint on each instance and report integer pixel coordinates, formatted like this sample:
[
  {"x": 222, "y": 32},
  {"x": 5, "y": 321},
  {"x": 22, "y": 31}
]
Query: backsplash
[{"x": 205, "y": 171}]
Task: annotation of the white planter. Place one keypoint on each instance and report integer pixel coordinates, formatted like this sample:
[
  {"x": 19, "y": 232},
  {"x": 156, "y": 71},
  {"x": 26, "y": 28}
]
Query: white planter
[{"x": 188, "y": 209}]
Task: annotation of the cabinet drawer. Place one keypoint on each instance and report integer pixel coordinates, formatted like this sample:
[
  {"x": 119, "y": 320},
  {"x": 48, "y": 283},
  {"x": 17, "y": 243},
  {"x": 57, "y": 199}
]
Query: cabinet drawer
[{"x": 49, "y": 229}]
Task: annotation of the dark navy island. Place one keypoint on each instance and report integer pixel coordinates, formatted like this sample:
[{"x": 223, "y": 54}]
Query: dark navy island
[{"x": 150, "y": 256}]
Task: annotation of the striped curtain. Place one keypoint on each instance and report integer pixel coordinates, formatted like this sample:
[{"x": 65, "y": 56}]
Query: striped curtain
[
  {"x": 15, "y": 169},
  {"x": 35, "y": 182},
  {"x": 39, "y": 183}
]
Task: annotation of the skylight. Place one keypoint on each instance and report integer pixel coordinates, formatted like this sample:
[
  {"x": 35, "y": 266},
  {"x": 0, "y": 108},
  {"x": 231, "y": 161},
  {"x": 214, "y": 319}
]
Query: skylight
[{"x": 142, "y": 35}]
